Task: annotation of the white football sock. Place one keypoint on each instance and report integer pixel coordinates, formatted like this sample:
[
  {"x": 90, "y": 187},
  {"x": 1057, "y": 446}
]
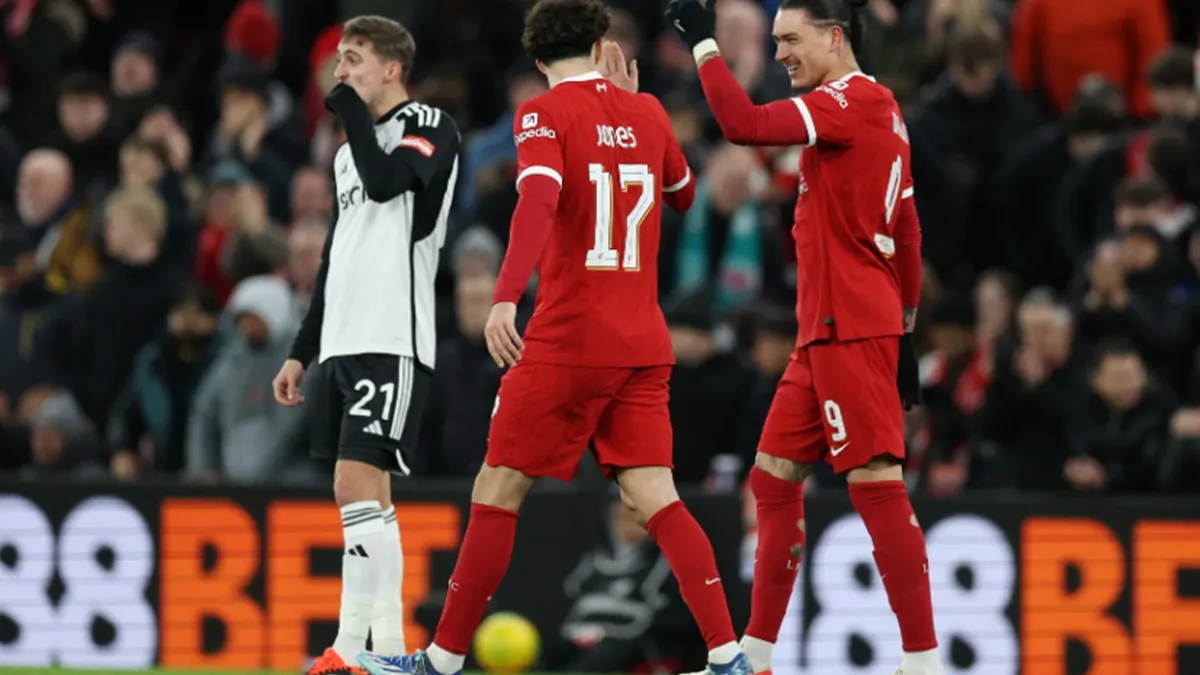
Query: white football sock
[
  {"x": 362, "y": 528},
  {"x": 759, "y": 652},
  {"x": 722, "y": 654},
  {"x": 927, "y": 662},
  {"x": 387, "y": 616},
  {"x": 444, "y": 662}
]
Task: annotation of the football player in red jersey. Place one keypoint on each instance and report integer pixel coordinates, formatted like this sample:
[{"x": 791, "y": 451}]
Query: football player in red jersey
[
  {"x": 596, "y": 163},
  {"x": 858, "y": 253}
]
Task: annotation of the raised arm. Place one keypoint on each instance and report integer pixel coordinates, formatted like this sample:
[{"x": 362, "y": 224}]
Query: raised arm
[
  {"x": 742, "y": 122},
  {"x": 429, "y": 136}
]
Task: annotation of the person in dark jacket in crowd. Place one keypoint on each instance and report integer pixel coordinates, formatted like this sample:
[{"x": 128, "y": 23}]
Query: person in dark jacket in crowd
[
  {"x": 709, "y": 386},
  {"x": 771, "y": 347},
  {"x": 1028, "y": 183},
  {"x": 1031, "y": 405},
  {"x": 1129, "y": 294},
  {"x": 1121, "y": 439},
  {"x": 90, "y": 345},
  {"x": 149, "y": 421},
  {"x": 455, "y": 429},
  {"x": 973, "y": 118}
]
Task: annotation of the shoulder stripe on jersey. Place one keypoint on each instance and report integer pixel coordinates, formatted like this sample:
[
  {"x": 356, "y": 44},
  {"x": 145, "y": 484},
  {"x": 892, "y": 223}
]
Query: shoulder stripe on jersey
[
  {"x": 540, "y": 171},
  {"x": 426, "y": 116},
  {"x": 681, "y": 184},
  {"x": 908, "y": 192},
  {"x": 808, "y": 121}
]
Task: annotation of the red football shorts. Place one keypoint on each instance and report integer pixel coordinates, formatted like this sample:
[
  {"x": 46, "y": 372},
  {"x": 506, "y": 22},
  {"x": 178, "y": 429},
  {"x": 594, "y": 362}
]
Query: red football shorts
[
  {"x": 546, "y": 415},
  {"x": 837, "y": 402}
]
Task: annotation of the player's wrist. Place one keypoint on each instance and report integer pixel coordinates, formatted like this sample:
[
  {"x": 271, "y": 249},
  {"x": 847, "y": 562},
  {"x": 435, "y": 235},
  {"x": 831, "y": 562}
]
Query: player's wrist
[{"x": 704, "y": 50}]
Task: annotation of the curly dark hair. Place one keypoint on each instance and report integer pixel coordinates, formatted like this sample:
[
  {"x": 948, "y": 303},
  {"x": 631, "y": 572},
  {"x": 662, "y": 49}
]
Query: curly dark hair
[{"x": 564, "y": 29}]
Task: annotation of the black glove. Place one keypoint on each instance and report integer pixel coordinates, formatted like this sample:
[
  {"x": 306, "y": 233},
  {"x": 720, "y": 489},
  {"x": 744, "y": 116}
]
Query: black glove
[
  {"x": 694, "y": 20},
  {"x": 908, "y": 377},
  {"x": 339, "y": 96}
]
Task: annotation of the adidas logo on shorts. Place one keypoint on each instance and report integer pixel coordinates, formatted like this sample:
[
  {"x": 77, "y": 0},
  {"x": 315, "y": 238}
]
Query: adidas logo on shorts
[{"x": 374, "y": 428}]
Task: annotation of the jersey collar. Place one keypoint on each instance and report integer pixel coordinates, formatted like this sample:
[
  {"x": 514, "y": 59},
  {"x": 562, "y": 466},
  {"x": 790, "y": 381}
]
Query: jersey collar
[
  {"x": 858, "y": 73},
  {"x": 394, "y": 111},
  {"x": 586, "y": 77}
]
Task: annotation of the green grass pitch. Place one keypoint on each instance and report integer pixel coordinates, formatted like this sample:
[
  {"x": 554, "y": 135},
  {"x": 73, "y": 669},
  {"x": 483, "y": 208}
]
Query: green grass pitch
[{"x": 156, "y": 671}]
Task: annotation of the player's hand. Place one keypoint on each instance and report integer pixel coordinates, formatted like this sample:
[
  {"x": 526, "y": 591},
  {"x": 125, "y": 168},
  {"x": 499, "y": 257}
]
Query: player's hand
[
  {"x": 694, "y": 20},
  {"x": 613, "y": 66},
  {"x": 341, "y": 93},
  {"x": 287, "y": 383},
  {"x": 908, "y": 376},
  {"x": 503, "y": 341}
]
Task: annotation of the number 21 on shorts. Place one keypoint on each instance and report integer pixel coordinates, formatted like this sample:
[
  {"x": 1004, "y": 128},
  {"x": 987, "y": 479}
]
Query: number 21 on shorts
[{"x": 602, "y": 255}]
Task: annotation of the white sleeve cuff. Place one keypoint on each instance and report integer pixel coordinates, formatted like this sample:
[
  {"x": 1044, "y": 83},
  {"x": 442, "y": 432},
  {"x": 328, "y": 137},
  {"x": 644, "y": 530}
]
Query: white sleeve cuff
[{"x": 704, "y": 48}]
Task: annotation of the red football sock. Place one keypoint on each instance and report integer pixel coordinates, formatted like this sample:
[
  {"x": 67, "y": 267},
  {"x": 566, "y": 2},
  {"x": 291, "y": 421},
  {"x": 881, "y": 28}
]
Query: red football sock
[
  {"x": 780, "y": 505},
  {"x": 901, "y": 558},
  {"x": 690, "y": 555},
  {"x": 482, "y": 561}
]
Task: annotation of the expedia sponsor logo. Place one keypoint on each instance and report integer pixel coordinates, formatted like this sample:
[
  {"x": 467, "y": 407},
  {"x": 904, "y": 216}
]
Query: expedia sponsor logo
[{"x": 540, "y": 132}]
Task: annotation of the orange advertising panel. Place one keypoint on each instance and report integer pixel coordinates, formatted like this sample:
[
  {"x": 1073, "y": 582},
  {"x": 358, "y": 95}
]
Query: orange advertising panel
[
  {"x": 1075, "y": 575},
  {"x": 212, "y": 553}
]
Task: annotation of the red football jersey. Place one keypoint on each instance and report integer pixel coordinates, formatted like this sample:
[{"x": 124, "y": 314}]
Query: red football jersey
[
  {"x": 854, "y": 172},
  {"x": 615, "y": 158}
]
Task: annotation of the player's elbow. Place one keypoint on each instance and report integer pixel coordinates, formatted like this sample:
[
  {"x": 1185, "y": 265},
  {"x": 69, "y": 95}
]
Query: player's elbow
[
  {"x": 382, "y": 189},
  {"x": 682, "y": 200},
  {"x": 736, "y": 130}
]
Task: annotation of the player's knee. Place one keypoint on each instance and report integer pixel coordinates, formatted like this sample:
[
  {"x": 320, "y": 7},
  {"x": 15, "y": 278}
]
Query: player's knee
[
  {"x": 648, "y": 489},
  {"x": 783, "y": 469},
  {"x": 501, "y": 487},
  {"x": 878, "y": 468},
  {"x": 355, "y": 481}
]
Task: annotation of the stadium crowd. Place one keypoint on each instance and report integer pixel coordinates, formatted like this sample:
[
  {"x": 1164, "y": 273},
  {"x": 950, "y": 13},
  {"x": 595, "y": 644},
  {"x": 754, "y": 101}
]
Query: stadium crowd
[{"x": 164, "y": 179}]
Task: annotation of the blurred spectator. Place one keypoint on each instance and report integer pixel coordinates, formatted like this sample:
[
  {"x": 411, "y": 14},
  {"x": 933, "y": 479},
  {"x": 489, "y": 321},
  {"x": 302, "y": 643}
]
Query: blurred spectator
[
  {"x": 996, "y": 295},
  {"x": 62, "y": 440},
  {"x": 495, "y": 144},
  {"x": 220, "y": 225},
  {"x": 244, "y": 133},
  {"x": 973, "y": 117},
  {"x": 85, "y": 133},
  {"x": 89, "y": 345},
  {"x": 149, "y": 420},
  {"x": 306, "y": 244},
  {"x": 1031, "y": 407},
  {"x": 25, "y": 302},
  {"x": 1028, "y": 184},
  {"x": 724, "y": 239},
  {"x": 236, "y": 431},
  {"x": 626, "y": 613},
  {"x": 1121, "y": 439},
  {"x": 135, "y": 80},
  {"x": 771, "y": 348},
  {"x": 1171, "y": 78},
  {"x": 709, "y": 388},
  {"x": 455, "y": 429},
  {"x": 312, "y": 195},
  {"x": 258, "y": 245},
  {"x": 955, "y": 379},
  {"x": 47, "y": 206},
  {"x": 1055, "y": 44},
  {"x": 1128, "y": 295}
]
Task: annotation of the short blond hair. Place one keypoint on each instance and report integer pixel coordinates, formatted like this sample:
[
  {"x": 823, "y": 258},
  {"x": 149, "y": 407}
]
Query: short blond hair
[
  {"x": 389, "y": 38},
  {"x": 143, "y": 206}
]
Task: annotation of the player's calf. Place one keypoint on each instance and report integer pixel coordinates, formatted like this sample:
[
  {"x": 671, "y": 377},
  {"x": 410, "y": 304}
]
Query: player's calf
[
  {"x": 880, "y": 496},
  {"x": 482, "y": 562},
  {"x": 778, "y": 488},
  {"x": 652, "y": 492},
  {"x": 360, "y": 492}
]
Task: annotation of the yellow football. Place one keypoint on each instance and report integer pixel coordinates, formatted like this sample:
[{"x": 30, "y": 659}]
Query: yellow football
[{"x": 507, "y": 643}]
